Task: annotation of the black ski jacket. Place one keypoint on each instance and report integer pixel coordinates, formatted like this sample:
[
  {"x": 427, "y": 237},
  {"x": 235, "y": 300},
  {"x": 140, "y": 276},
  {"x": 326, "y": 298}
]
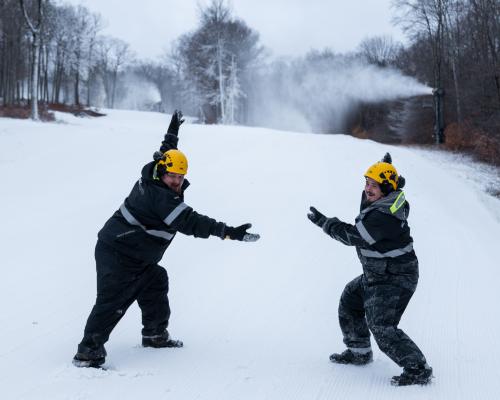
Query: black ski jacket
[
  {"x": 382, "y": 238},
  {"x": 147, "y": 221}
]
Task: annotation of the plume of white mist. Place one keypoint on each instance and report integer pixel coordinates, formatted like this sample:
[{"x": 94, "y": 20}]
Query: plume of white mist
[
  {"x": 363, "y": 83},
  {"x": 139, "y": 94},
  {"x": 322, "y": 92},
  {"x": 284, "y": 116}
]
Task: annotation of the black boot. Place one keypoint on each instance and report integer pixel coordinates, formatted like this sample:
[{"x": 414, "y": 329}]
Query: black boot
[
  {"x": 159, "y": 341},
  {"x": 87, "y": 357},
  {"x": 351, "y": 357},
  {"x": 420, "y": 375}
]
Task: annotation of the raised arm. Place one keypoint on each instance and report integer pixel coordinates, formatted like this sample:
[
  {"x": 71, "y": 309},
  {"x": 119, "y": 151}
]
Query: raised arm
[{"x": 171, "y": 138}]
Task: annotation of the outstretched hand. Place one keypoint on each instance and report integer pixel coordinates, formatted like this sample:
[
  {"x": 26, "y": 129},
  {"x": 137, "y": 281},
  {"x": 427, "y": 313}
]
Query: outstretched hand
[
  {"x": 175, "y": 122},
  {"x": 316, "y": 217},
  {"x": 240, "y": 233}
]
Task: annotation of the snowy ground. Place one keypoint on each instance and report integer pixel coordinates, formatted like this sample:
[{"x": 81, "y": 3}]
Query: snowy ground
[{"x": 258, "y": 319}]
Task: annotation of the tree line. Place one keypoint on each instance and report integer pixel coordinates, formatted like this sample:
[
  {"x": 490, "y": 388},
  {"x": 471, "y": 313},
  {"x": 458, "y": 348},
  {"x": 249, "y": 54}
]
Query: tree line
[
  {"x": 455, "y": 45},
  {"x": 221, "y": 73},
  {"x": 55, "y": 53}
]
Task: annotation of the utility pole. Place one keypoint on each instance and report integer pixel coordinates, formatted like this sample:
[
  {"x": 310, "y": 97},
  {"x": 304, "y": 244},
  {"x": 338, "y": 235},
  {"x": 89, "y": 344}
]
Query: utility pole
[{"x": 438, "y": 94}]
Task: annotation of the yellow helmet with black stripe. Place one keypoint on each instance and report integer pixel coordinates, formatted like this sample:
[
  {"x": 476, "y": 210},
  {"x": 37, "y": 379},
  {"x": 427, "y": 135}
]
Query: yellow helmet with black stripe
[
  {"x": 384, "y": 174},
  {"x": 173, "y": 161}
]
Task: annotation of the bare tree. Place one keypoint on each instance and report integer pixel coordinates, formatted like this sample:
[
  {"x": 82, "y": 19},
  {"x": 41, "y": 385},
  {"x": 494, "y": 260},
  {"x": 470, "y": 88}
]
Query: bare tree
[
  {"x": 452, "y": 18},
  {"x": 94, "y": 28},
  {"x": 486, "y": 14},
  {"x": 380, "y": 50},
  {"x": 429, "y": 15},
  {"x": 81, "y": 29},
  {"x": 211, "y": 54},
  {"x": 63, "y": 44},
  {"x": 35, "y": 28},
  {"x": 13, "y": 65},
  {"x": 233, "y": 93},
  {"x": 113, "y": 54}
]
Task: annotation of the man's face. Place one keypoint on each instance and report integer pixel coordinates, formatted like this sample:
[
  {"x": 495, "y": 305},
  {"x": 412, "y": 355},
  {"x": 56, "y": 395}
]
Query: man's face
[
  {"x": 372, "y": 190},
  {"x": 173, "y": 181}
]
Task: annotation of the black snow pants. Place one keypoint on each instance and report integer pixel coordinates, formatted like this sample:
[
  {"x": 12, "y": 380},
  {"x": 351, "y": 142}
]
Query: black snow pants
[
  {"x": 120, "y": 281},
  {"x": 378, "y": 308}
]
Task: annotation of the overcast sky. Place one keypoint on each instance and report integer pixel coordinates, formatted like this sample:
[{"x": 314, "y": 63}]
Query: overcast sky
[{"x": 286, "y": 27}]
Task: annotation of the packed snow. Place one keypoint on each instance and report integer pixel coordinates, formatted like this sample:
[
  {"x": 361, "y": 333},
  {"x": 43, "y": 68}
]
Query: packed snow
[{"x": 258, "y": 320}]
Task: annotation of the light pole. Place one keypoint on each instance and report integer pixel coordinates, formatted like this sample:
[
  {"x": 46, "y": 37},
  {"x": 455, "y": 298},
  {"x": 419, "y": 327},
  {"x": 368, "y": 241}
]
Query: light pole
[{"x": 438, "y": 115}]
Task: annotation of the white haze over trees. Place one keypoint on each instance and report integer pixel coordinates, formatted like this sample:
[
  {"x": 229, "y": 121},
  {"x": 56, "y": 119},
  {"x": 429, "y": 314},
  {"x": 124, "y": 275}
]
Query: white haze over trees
[
  {"x": 219, "y": 73},
  {"x": 215, "y": 61}
]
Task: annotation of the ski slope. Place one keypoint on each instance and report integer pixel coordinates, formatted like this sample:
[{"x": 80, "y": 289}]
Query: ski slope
[{"x": 258, "y": 320}]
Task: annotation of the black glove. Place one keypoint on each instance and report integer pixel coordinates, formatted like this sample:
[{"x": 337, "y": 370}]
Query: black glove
[
  {"x": 332, "y": 222},
  {"x": 175, "y": 123},
  {"x": 316, "y": 217},
  {"x": 387, "y": 158},
  {"x": 240, "y": 233}
]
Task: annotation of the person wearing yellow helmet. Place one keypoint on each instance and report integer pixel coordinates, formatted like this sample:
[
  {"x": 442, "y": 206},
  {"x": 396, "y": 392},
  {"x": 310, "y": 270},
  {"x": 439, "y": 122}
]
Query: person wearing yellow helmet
[
  {"x": 171, "y": 169},
  {"x": 132, "y": 243},
  {"x": 385, "y": 175},
  {"x": 375, "y": 301}
]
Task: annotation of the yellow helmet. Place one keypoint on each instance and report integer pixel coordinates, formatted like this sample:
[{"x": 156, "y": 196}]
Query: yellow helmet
[
  {"x": 173, "y": 161},
  {"x": 383, "y": 173}
]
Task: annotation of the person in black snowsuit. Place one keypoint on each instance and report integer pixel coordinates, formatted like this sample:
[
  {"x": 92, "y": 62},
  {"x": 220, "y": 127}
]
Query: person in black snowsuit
[
  {"x": 376, "y": 300},
  {"x": 132, "y": 243}
]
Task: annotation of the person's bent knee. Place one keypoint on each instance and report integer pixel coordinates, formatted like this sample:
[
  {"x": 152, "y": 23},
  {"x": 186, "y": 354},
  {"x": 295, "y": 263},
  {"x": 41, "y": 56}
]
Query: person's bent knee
[{"x": 161, "y": 277}]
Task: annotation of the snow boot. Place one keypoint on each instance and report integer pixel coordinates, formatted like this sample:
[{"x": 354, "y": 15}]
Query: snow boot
[
  {"x": 88, "y": 357},
  {"x": 420, "y": 375},
  {"x": 159, "y": 341},
  {"x": 351, "y": 357},
  {"x": 81, "y": 362}
]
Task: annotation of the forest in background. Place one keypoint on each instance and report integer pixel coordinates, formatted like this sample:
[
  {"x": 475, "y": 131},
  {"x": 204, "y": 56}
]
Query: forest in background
[{"x": 221, "y": 73}]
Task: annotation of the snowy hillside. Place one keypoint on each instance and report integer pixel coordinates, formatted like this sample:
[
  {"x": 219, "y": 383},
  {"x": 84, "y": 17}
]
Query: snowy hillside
[{"x": 258, "y": 320}]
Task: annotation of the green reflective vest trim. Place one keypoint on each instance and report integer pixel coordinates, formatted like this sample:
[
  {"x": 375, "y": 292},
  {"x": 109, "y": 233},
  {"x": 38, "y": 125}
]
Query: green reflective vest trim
[
  {"x": 155, "y": 173},
  {"x": 398, "y": 203}
]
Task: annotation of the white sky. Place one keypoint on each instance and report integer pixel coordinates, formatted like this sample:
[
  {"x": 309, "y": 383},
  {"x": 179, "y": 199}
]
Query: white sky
[{"x": 286, "y": 27}]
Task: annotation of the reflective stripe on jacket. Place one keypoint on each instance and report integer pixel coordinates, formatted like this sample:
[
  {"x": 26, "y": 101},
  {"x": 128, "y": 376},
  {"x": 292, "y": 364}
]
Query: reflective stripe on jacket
[
  {"x": 381, "y": 229},
  {"x": 147, "y": 221}
]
